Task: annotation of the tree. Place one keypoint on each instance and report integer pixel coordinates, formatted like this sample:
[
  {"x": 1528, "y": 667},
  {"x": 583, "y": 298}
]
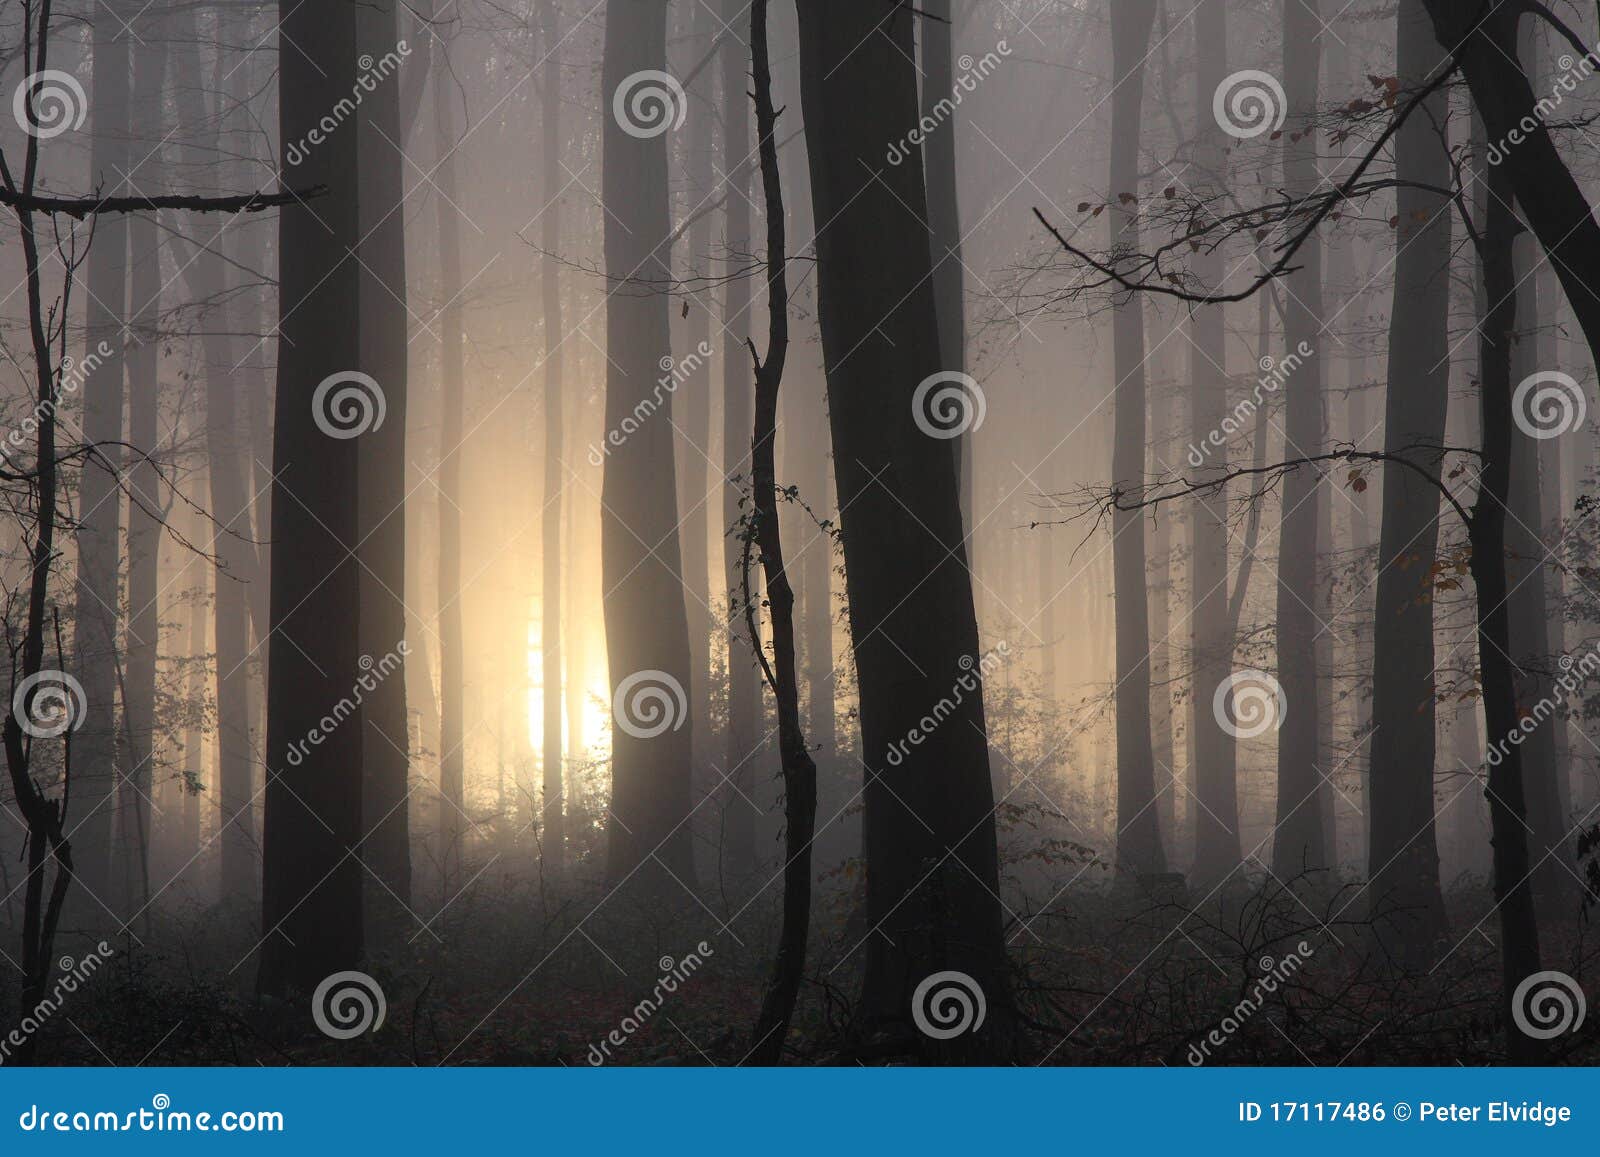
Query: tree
[
  {"x": 1403, "y": 857},
  {"x": 647, "y": 633},
  {"x": 311, "y": 873},
  {"x": 931, "y": 858},
  {"x": 100, "y": 497},
  {"x": 1139, "y": 847},
  {"x": 385, "y": 750},
  {"x": 1298, "y": 843},
  {"x": 745, "y": 742},
  {"x": 554, "y": 839},
  {"x": 1216, "y": 806}
]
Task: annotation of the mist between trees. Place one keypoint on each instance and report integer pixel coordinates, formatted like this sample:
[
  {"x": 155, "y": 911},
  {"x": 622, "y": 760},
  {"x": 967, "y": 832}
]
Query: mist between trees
[{"x": 1003, "y": 527}]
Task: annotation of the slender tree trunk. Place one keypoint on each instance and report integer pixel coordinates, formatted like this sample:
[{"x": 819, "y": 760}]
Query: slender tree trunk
[
  {"x": 745, "y": 742},
  {"x": 227, "y": 458},
  {"x": 100, "y": 497},
  {"x": 647, "y": 632},
  {"x": 932, "y": 871},
  {"x": 145, "y": 500},
  {"x": 1513, "y": 890},
  {"x": 1216, "y": 807},
  {"x": 1298, "y": 835},
  {"x": 1403, "y": 864},
  {"x": 944, "y": 217},
  {"x": 311, "y": 878},
  {"x": 799, "y": 771},
  {"x": 452, "y": 644},
  {"x": 385, "y": 749},
  {"x": 1139, "y": 848},
  {"x": 555, "y": 837}
]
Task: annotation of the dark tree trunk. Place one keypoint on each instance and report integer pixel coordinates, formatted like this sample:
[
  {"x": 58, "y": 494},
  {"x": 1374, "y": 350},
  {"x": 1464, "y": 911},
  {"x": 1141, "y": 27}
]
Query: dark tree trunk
[
  {"x": 452, "y": 803},
  {"x": 1216, "y": 807},
  {"x": 555, "y": 833},
  {"x": 1403, "y": 864},
  {"x": 145, "y": 504},
  {"x": 311, "y": 877},
  {"x": 799, "y": 771},
  {"x": 647, "y": 632},
  {"x": 1139, "y": 848},
  {"x": 745, "y": 741},
  {"x": 1513, "y": 890},
  {"x": 932, "y": 873},
  {"x": 1298, "y": 843},
  {"x": 100, "y": 497}
]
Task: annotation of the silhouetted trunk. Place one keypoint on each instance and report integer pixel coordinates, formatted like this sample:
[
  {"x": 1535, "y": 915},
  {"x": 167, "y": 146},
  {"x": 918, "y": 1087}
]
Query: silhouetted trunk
[
  {"x": 1554, "y": 207},
  {"x": 1298, "y": 835},
  {"x": 452, "y": 644},
  {"x": 932, "y": 873},
  {"x": 944, "y": 217},
  {"x": 700, "y": 498},
  {"x": 385, "y": 750},
  {"x": 311, "y": 913},
  {"x": 228, "y": 454},
  {"x": 1513, "y": 890},
  {"x": 745, "y": 742},
  {"x": 145, "y": 506},
  {"x": 1403, "y": 863},
  {"x": 647, "y": 632},
  {"x": 799, "y": 771},
  {"x": 99, "y": 496},
  {"x": 554, "y": 840},
  {"x": 1139, "y": 847},
  {"x": 1216, "y": 809}
]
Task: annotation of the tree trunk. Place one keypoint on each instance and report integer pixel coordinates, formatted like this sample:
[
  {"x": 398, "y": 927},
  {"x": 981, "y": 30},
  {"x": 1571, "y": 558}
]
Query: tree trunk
[
  {"x": 385, "y": 750},
  {"x": 1513, "y": 890},
  {"x": 647, "y": 631},
  {"x": 311, "y": 878},
  {"x": 100, "y": 497},
  {"x": 452, "y": 804},
  {"x": 554, "y": 840},
  {"x": 932, "y": 873},
  {"x": 1403, "y": 864},
  {"x": 1139, "y": 848},
  {"x": 145, "y": 505},
  {"x": 1216, "y": 807},
  {"x": 1298, "y": 835},
  {"x": 745, "y": 742}
]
